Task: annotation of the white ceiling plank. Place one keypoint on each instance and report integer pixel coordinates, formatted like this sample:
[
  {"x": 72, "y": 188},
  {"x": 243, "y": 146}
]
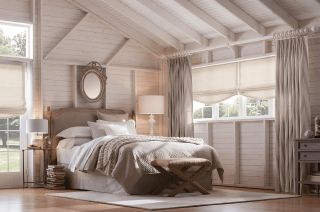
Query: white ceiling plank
[
  {"x": 116, "y": 52},
  {"x": 169, "y": 18},
  {"x": 280, "y": 12},
  {"x": 66, "y": 36},
  {"x": 144, "y": 23},
  {"x": 243, "y": 16},
  {"x": 129, "y": 32},
  {"x": 214, "y": 24}
]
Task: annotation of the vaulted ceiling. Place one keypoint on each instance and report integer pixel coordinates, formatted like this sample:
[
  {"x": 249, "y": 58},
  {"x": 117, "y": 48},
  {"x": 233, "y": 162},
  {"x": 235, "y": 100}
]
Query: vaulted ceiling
[{"x": 198, "y": 25}]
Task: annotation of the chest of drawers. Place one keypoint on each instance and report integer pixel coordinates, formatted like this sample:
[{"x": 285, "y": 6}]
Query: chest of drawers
[{"x": 306, "y": 151}]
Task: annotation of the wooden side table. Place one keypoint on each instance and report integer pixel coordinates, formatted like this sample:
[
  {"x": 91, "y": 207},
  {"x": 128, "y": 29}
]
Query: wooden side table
[
  {"x": 307, "y": 151},
  {"x": 45, "y": 164}
]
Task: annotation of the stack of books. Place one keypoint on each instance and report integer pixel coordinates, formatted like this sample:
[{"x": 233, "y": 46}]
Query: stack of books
[{"x": 55, "y": 177}]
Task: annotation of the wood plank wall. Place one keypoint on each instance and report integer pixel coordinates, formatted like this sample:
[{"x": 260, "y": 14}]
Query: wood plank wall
[
  {"x": 314, "y": 71},
  {"x": 245, "y": 149}
]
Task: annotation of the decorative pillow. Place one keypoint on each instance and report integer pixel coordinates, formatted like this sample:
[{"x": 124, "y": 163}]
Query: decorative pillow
[
  {"x": 96, "y": 130},
  {"x": 68, "y": 143},
  {"x": 113, "y": 117},
  {"x": 75, "y": 132},
  {"x": 114, "y": 129},
  {"x": 130, "y": 124}
]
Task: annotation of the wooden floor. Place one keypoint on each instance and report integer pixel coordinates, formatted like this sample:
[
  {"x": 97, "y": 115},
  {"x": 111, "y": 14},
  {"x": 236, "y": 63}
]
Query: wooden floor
[{"x": 35, "y": 199}]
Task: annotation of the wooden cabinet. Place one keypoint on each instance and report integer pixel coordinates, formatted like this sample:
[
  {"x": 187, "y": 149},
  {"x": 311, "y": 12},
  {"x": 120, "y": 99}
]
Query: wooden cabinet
[{"x": 307, "y": 151}]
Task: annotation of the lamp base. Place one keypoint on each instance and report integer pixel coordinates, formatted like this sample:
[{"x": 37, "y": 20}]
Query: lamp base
[{"x": 152, "y": 122}]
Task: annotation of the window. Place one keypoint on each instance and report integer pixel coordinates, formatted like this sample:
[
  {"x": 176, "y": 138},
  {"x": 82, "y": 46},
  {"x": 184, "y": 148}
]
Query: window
[
  {"x": 239, "y": 89},
  {"x": 15, "y": 39},
  {"x": 236, "y": 107},
  {"x": 10, "y": 144}
]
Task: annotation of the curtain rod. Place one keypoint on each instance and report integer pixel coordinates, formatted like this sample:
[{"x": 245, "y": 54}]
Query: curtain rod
[
  {"x": 176, "y": 54},
  {"x": 307, "y": 31}
]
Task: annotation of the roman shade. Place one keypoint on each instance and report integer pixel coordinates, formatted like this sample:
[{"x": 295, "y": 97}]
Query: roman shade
[
  {"x": 252, "y": 78},
  {"x": 12, "y": 89}
]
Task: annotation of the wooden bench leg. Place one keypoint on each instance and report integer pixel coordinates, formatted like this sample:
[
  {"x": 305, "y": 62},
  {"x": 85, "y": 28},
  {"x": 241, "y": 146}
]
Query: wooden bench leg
[{"x": 188, "y": 180}]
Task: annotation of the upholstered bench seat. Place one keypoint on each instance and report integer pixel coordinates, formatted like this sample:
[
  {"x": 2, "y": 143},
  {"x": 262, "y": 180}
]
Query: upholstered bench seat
[{"x": 175, "y": 169}]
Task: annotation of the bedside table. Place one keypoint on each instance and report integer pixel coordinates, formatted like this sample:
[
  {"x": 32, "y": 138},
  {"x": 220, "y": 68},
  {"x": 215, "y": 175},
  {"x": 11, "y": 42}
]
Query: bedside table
[
  {"x": 45, "y": 164},
  {"x": 307, "y": 151}
]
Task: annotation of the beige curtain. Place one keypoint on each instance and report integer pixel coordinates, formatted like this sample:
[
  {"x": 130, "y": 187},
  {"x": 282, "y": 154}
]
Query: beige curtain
[
  {"x": 180, "y": 97},
  {"x": 292, "y": 116}
]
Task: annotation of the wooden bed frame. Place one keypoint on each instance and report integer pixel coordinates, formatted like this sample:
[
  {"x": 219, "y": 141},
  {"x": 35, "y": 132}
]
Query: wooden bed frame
[{"x": 64, "y": 118}]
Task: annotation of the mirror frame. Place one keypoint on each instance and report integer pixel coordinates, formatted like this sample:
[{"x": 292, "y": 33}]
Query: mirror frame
[{"x": 95, "y": 68}]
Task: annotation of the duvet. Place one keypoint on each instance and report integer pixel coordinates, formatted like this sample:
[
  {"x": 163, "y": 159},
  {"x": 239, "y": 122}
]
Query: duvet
[{"x": 127, "y": 158}]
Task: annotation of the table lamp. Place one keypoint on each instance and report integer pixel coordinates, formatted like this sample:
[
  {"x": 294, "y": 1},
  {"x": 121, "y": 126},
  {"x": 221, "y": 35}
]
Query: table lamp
[
  {"x": 37, "y": 126},
  {"x": 151, "y": 105}
]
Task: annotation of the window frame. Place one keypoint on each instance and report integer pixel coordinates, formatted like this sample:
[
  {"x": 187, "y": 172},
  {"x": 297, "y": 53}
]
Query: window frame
[
  {"x": 242, "y": 112},
  {"x": 29, "y": 42}
]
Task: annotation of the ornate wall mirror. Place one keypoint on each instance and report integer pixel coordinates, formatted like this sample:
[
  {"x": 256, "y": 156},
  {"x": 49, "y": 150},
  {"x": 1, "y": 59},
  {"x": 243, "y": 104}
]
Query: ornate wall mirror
[{"x": 93, "y": 82}]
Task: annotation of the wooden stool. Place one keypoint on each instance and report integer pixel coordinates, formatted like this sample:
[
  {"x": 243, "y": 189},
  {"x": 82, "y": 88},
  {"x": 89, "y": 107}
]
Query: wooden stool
[{"x": 176, "y": 168}]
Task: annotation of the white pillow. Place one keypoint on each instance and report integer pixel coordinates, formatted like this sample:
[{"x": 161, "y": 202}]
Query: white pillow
[
  {"x": 75, "y": 132},
  {"x": 131, "y": 125},
  {"x": 114, "y": 129},
  {"x": 96, "y": 130},
  {"x": 68, "y": 143}
]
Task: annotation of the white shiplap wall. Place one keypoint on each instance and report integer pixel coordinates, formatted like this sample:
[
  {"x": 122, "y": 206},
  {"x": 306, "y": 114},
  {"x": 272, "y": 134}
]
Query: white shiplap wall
[
  {"x": 314, "y": 71},
  {"x": 242, "y": 148},
  {"x": 91, "y": 40}
]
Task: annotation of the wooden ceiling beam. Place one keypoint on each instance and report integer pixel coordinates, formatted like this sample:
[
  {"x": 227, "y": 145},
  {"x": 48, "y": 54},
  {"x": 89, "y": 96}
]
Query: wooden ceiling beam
[
  {"x": 169, "y": 18},
  {"x": 243, "y": 16},
  {"x": 203, "y": 16},
  {"x": 66, "y": 36},
  {"x": 144, "y": 23},
  {"x": 118, "y": 26},
  {"x": 281, "y": 13}
]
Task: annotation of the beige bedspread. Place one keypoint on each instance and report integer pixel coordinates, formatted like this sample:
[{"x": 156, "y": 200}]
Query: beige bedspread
[{"x": 128, "y": 158}]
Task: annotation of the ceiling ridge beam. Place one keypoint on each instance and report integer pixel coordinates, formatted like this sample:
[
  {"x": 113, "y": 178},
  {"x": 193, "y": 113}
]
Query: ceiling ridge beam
[
  {"x": 203, "y": 16},
  {"x": 174, "y": 21},
  {"x": 66, "y": 36},
  {"x": 243, "y": 16},
  {"x": 117, "y": 50},
  {"x": 143, "y": 22},
  {"x": 146, "y": 43},
  {"x": 281, "y": 13}
]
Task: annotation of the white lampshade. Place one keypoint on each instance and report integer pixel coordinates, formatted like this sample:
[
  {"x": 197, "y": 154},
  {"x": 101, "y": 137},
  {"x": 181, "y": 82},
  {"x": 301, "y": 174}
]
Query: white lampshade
[
  {"x": 151, "y": 104},
  {"x": 37, "y": 126}
]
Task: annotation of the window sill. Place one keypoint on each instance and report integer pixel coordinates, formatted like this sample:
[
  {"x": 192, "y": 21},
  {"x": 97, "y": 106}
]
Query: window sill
[{"x": 258, "y": 119}]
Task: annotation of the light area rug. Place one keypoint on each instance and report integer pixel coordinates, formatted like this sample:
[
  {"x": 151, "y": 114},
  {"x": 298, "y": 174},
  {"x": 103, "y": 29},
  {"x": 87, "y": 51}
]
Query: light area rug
[{"x": 216, "y": 197}]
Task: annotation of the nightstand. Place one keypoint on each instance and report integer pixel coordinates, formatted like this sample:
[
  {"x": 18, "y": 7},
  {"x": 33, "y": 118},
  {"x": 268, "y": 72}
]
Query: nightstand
[
  {"x": 45, "y": 164},
  {"x": 307, "y": 151}
]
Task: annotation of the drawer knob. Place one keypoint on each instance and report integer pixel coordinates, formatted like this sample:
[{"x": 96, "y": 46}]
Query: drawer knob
[
  {"x": 305, "y": 145},
  {"x": 305, "y": 156}
]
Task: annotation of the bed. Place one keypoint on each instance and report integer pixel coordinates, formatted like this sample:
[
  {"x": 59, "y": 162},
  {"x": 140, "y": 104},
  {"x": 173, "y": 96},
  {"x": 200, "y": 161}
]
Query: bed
[{"x": 95, "y": 180}]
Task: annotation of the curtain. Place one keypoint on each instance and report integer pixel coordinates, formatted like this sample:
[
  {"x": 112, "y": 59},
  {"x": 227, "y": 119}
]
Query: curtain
[
  {"x": 180, "y": 97},
  {"x": 252, "y": 78},
  {"x": 292, "y": 116},
  {"x": 12, "y": 89}
]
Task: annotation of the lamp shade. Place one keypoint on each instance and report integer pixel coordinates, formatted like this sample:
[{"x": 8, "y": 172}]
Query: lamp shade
[
  {"x": 151, "y": 104},
  {"x": 37, "y": 126}
]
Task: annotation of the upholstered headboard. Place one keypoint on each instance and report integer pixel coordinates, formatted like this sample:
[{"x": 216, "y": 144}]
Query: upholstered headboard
[{"x": 64, "y": 118}]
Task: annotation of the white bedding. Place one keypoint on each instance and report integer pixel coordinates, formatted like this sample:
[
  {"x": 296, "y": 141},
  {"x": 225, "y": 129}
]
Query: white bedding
[{"x": 64, "y": 155}]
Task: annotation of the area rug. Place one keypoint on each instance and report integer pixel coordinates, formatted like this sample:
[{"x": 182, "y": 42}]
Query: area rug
[{"x": 216, "y": 197}]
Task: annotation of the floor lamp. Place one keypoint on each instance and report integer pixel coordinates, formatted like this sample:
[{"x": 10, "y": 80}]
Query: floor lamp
[{"x": 151, "y": 105}]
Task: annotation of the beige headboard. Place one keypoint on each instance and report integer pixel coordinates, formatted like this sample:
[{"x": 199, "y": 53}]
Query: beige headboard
[{"x": 64, "y": 118}]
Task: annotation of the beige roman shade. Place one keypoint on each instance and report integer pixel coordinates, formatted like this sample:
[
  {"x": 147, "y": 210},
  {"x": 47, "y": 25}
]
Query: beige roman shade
[
  {"x": 252, "y": 78},
  {"x": 12, "y": 89}
]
